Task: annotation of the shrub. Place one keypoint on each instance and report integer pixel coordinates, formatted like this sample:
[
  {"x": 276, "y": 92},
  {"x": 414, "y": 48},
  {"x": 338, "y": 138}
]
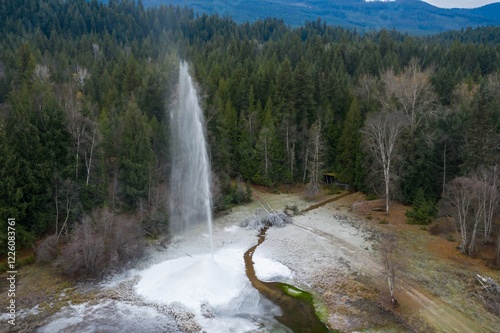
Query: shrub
[
  {"x": 333, "y": 189},
  {"x": 312, "y": 190},
  {"x": 441, "y": 226},
  {"x": 292, "y": 210},
  {"x": 47, "y": 251},
  {"x": 233, "y": 194},
  {"x": 156, "y": 224},
  {"x": 28, "y": 260},
  {"x": 100, "y": 244}
]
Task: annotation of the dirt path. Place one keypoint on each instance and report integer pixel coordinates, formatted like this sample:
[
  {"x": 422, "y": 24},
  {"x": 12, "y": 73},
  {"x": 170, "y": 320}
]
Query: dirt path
[{"x": 416, "y": 303}]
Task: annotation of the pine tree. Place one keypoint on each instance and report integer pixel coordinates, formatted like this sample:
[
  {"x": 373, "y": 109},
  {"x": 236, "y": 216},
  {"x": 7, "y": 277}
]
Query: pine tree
[
  {"x": 270, "y": 155},
  {"x": 481, "y": 147},
  {"x": 348, "y": 161},
  {"x": 424, "y": 209},
  {"x": 286, "y": 113},
  {"x": 247, "y": 166},
  {"x": 419, "y": 170},
  {"x": 136, "y": 155}
]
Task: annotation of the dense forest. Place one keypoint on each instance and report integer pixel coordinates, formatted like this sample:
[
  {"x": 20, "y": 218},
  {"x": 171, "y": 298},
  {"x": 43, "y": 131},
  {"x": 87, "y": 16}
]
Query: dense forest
[{"x": 85, "y": 88}]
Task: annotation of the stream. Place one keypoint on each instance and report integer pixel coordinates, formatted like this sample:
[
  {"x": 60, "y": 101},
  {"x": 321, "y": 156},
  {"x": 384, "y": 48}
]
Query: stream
[{"x": 298, "y": 310}]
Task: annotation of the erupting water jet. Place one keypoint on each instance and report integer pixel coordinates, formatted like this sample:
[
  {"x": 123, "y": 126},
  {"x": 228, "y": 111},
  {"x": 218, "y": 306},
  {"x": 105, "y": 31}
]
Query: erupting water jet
[{"x": 190, "y": 195}]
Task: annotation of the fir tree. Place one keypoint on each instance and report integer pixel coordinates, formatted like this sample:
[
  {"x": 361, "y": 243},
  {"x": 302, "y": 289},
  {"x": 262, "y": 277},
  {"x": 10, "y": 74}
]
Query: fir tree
[
  {"x": 136, "y": 155},
  {"x": 348, "y": 166}
]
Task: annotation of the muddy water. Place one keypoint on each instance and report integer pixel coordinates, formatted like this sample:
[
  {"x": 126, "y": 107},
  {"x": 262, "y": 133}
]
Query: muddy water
[{"x": 298, "y": 314}]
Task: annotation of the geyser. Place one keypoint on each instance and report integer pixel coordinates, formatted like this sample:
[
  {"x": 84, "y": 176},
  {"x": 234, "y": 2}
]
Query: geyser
[
  {"x": 190, "y": 195},
  {"x": 213, "y": 287}
]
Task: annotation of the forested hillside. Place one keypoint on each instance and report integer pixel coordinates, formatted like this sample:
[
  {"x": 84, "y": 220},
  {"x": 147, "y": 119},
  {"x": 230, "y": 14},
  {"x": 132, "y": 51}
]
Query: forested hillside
[
  {"x": 84, "y": 89},
  {"x": 412, "y": 16}
]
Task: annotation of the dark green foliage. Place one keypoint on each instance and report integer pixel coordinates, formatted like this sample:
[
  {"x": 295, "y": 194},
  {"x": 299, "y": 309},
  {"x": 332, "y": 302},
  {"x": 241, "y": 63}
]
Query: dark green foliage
[
  {"x": 424, "y": 209},
  {"x": 364, "y": 16},
  {"x": 350, "y": 156},
  {"x": 261, "y": 85},
  {"x": 247, "y": 165},
  {"x": 239, "y": 194},
  {"x": 419, "y": 170},
  {"x": 136, "y": 155},
  {"x": 34, "y": 146},
  {"x": 482, "y": 131}
]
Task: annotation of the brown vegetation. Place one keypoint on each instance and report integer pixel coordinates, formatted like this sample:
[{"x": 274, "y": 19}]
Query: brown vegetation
[{"x": 99, "y": 244}]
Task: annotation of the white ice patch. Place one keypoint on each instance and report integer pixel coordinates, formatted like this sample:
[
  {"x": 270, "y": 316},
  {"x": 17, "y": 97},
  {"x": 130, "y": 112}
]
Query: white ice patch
[
  {"x": 221, "y": 284},
  {"x": 110, "y": 316},
  {"x": 232, "y": 229},
  {"x": 271, "y": 271},
  {"x": 195, "y": 280}
]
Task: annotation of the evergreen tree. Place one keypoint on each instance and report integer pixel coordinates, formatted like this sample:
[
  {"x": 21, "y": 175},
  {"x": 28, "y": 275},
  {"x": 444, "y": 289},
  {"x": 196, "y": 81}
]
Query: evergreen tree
[
  {"x": 424, "y": 209},
  {"x": 270, "y": 156},
  {"x": 286, "y": 113},
  {"x": 349, "y": 160},
  {"x": 247, "y": 166},
  {"x": 305, "y": 110},
  {"x": 419, "y": 170},
  {"x": 136, "y": 155},
  {"x": 482, "y": 137}
]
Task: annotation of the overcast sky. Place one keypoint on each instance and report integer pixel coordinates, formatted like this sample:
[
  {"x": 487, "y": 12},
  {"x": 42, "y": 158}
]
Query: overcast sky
[{"x": 459, "y": 3}]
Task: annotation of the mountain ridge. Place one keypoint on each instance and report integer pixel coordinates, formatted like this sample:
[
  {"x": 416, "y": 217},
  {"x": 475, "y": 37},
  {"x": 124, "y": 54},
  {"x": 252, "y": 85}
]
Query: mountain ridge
[{"x": 411, "y": 16}]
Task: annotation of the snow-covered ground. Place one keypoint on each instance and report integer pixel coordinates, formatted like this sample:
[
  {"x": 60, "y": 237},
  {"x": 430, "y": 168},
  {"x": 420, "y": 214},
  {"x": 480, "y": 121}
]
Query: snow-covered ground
[{"x": 181, "y": 288}]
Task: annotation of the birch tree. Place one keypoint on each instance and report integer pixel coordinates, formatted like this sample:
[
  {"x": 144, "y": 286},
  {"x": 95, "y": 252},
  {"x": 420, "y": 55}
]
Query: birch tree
[
  {"x": 381, "y": 133},
  {"x": 92, "y": 142},
  {"x": 80, "y": 75},
  {"x": 315, "y": 162},
  {"x": 472, "y": 203},
  {"x": 411, "y": 93},
  {"x": 488, "y": 196},
  {"x": 391, "y": 260},
  {"x": 457, "y": 203}
]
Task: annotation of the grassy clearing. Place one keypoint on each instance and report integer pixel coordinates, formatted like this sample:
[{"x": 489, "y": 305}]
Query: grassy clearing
[
  {"x": 39, "y": 285},
  {"x": 437, "y": 266}
]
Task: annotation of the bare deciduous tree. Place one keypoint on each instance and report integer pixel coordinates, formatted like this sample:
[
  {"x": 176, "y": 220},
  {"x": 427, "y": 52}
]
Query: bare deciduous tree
[
  {"x": 368, "y": 89},
  {"x": 81, "y": 74},
  {"x": 42, "y": 73},
  {"x": 264, "y": 139},
  {"x": 381, "y": 134},
  {"x": 99, "y": 244},
  {"x": 96, "y": 50},
  {"x": 477, "y": 212},
  {"x": 391, "y": 260},
  {"x": 470, "y": 201},
  {"x": 493, "y": 84},
  {"x": 67, "y": 194},
  {"x": 411, "y": 93},
  {"x": 488, "y": 196},
  {"x": 463, "y": 96},
  {"x": 315, "y": 163},
  {"x": 90, "y": 148},
  {"x": 77, "y": 127},
  {"x": 82, "y": 126},
  {"x": 457, "y": 204}
]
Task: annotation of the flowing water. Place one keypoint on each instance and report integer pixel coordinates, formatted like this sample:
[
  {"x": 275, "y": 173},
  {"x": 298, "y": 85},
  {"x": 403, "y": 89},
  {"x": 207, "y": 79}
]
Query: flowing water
[
  {"x": 298, "y": 310},
  {"x": 190, "y": 195},
  {"x": 220, "y": 290}
]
